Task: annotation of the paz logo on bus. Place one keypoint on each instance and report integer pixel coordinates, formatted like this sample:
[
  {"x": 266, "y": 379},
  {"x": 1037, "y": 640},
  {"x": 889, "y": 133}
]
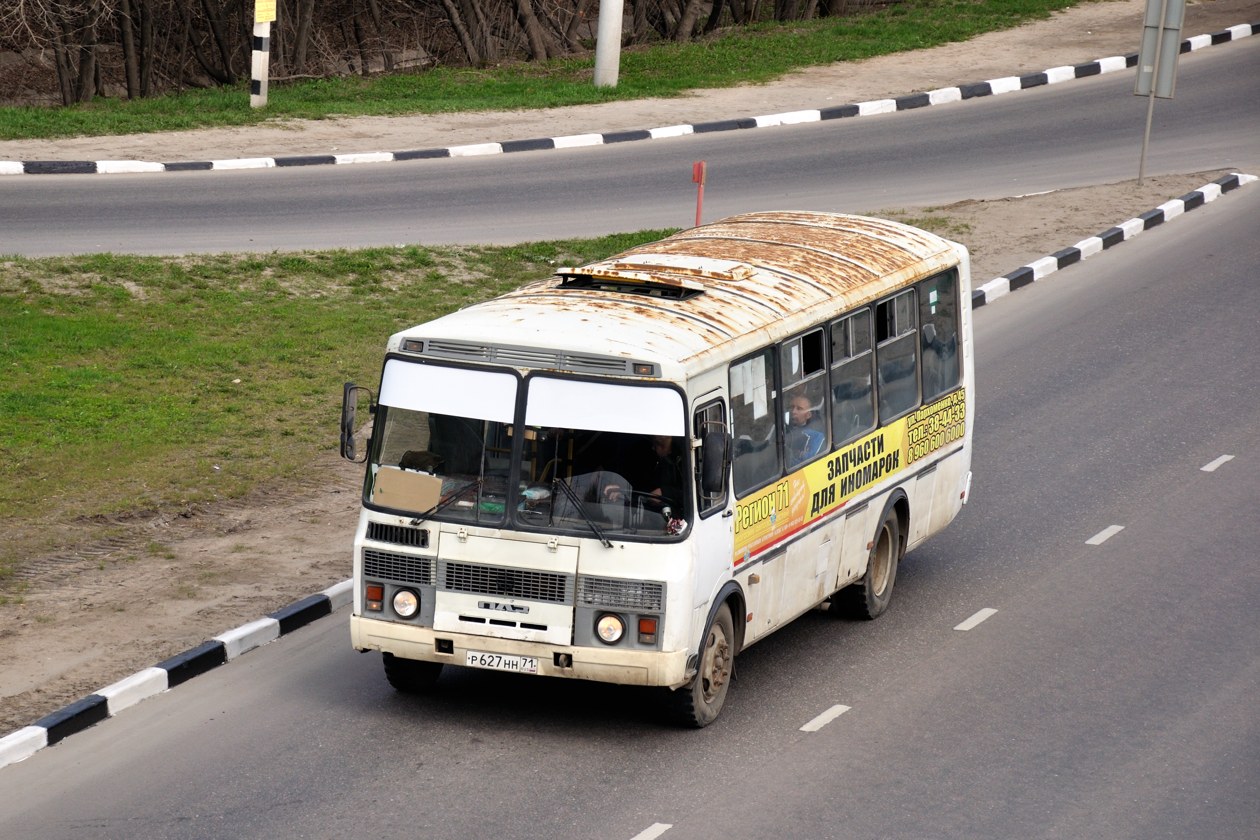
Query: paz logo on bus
[{"x": 502, "y": 607}]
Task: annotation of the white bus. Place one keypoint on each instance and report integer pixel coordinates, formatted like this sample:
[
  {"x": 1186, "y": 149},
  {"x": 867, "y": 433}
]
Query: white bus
[{"x": 633, "y": 470}]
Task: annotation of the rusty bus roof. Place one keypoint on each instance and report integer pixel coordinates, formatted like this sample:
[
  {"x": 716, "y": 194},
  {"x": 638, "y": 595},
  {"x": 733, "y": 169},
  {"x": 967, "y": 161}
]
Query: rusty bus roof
[{"x": 747, "y": 280}]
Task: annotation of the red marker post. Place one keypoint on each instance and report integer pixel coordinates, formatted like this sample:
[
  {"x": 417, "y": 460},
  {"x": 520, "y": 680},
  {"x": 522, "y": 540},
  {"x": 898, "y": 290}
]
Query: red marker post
[{"x": 698, "y": 171}]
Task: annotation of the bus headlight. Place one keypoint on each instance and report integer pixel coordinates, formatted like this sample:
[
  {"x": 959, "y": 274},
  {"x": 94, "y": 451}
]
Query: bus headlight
[
  {"x": 610, "y": 628},
  {"x": 406, "y": 603}
]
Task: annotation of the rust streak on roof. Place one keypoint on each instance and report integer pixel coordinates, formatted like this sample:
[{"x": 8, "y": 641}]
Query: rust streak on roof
[{"x": 751, "y": 277}]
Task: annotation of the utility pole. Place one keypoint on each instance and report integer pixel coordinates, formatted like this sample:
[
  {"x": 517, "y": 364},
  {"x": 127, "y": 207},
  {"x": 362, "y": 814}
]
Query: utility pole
[{"x": 608, "y": 43}]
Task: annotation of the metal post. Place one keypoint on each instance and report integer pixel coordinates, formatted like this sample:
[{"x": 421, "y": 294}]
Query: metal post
[
  {"x": 699, "y": 171},
  {"x": 1157, "y": 61}
]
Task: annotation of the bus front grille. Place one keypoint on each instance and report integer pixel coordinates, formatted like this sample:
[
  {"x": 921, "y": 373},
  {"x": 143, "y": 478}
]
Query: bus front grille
[
  {"x": 399, "y": 568},
  {"x": 511, "y": 583},
  {"x": 621, "y": 594},
  {"x": 398, "y": 534}
]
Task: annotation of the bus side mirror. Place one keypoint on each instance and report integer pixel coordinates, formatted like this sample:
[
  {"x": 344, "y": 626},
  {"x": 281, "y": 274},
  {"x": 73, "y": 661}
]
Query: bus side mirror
[
  {"x": 351, "y": 394},
  {"x": 715, "y": 461}
]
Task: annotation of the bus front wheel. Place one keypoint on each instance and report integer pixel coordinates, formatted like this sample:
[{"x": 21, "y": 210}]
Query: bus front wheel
[
  {"x": 870, "y": 596},
  {"x": 699, "y": 702},
  {"x": 410, "y": 676}
]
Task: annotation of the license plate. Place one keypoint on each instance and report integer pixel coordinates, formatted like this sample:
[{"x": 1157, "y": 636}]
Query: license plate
[{"x": 501, "y": 662}]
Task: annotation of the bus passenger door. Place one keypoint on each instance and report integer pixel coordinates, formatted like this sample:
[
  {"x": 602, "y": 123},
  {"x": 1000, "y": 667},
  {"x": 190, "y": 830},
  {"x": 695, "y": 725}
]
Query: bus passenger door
[{"x": 713, "y": 532}]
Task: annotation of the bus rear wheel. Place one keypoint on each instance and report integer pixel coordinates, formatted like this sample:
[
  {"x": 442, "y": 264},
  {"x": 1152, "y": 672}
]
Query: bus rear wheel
[
  {"x": 410, "y": 676},
  {"x": 870, "y": 596},
  {"x": 699, "y": 702}
]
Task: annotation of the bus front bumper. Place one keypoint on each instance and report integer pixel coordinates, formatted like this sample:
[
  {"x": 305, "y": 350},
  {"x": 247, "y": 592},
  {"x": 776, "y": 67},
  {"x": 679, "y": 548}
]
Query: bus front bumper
[{"x": 610, "y": 665}]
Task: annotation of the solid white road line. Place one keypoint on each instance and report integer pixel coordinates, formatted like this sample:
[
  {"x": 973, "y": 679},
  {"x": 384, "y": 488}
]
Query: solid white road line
[{"x": 653, "y": 831}]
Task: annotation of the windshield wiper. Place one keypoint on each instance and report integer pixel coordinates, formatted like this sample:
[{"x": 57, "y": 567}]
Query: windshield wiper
[
  {"x": 577, "y": 504},
  {"x": 450, "y": 499}
]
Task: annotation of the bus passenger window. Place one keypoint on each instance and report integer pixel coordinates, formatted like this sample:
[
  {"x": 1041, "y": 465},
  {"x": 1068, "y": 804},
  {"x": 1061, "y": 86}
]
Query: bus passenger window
[
  {"x": 803, "y": 366},
  {"x": 938, "y": 313},
  {"x": 852, "y": 399},
  {"x": 756, "y": 450},
  {"x": 896, "y": 355}
]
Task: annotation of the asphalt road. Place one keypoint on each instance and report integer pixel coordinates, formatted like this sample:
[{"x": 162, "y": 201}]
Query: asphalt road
[
  {"x": 1111, "y": 694},
  {"x": 1082, "y": 132}
]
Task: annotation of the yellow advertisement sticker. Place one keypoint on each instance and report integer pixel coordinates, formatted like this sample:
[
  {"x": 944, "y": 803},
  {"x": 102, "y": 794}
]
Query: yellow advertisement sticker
[{"x": 821, "y": 487}]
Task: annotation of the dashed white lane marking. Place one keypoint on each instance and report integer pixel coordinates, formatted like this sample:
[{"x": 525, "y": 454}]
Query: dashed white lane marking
[
  {"x": 976, "y": 619},
  {"x": 653, "y": 831},
  {"x": 824, "y": 719},
  {"x": 1214, "y": 465},
  {"x": 1104, "y": 535}
]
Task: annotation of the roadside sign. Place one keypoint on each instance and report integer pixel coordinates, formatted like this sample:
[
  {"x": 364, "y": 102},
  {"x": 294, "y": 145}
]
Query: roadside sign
[{"x": 1161, "y": 44}]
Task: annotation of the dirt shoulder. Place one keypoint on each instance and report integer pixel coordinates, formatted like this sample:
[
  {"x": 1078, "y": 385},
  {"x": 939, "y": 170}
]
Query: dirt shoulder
[{"x": 141, "y": 589}]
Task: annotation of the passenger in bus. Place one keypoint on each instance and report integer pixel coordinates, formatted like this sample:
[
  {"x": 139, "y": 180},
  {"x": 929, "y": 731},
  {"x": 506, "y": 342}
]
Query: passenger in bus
[{"x": 804, "y": 441}]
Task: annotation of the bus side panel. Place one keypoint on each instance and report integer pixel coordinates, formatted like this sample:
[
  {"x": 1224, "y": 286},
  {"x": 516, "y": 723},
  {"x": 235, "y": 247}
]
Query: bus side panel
[
  {"x": 922, "y": 493},
  {"x": 858, "y": 531},
  {"x": 951, "y": 478},
  {"x": 762, "y": 585},
  {"x": 809, "y": 559}
]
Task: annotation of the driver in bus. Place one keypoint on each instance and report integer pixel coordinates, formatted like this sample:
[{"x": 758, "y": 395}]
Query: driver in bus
[{"x": 660, "y": 474}]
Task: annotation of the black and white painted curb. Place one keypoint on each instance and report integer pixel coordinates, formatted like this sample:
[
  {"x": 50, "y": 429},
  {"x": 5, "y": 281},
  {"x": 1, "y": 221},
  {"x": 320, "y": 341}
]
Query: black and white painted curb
[
  {"x": 1028, "y": 274},
  {"x": 169, "y": 673},
  {"x": 992, "y": 87}
]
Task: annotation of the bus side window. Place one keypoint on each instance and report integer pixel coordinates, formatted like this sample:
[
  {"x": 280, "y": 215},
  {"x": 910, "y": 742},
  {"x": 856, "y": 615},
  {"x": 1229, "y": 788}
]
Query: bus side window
[
  {"x": 803, "y": 367},
  {"x": 938, "y": 314},
  {"x": 896, "y": 356},
  {"x": 709, "y": 418},
  {"x": 852, "y": 359},
  {"x": 756, "y": 450}
]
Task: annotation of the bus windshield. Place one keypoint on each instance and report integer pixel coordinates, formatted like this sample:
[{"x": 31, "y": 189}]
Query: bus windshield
[{"x": 596, "y": 458}]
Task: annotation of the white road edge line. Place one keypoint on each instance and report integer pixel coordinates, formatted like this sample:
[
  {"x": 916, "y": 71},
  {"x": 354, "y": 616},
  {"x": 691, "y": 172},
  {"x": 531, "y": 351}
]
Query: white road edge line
[
  {"x": 824, "y": 719},
  {"x": 1219, "y": 462},
  {"x": 1104, "y": 535},
  {"x": 653, "y": 831},
  {"x": 977, "y": 619}
]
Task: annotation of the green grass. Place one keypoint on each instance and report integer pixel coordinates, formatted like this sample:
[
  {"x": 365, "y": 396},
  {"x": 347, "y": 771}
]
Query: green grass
[
  {"x": 757, "y": 54},
  {"x": 142, "y": 383}
]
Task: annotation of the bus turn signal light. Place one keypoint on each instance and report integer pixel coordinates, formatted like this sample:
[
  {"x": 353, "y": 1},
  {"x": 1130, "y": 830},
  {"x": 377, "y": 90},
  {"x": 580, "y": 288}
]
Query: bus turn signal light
[
  {"x": 374, "y": 595},
  {"x": 647, "y": 631}
]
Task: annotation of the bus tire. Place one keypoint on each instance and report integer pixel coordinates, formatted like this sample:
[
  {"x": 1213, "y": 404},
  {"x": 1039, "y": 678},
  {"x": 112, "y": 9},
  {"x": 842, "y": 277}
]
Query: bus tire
[
  {"x": 870, "y": 596},
  {"x": 410, "y": 676},
  {"x": 698, "y": 703}
]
